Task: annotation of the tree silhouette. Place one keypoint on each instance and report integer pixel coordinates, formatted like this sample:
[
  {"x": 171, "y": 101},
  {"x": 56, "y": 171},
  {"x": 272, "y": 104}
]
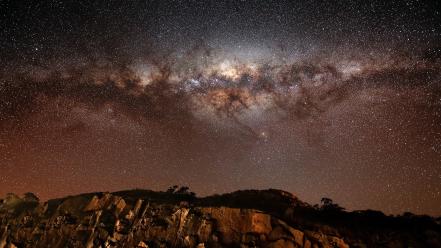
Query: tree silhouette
[
  {"x": 172, "y": 189},
  {"x": 183, "y": 190},
  {"x": 329, "y": 205},
  {"x": 30, "y": 197}
]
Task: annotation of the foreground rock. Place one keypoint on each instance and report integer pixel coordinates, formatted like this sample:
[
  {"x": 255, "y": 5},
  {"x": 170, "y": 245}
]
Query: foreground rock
[{"x": 115, "y": 220}]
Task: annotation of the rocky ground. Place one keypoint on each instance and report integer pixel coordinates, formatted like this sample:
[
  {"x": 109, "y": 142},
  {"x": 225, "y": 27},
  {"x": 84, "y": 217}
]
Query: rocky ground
[{"x": 168, "y": 219}]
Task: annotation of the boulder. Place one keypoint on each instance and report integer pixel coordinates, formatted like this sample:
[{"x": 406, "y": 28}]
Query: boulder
[
  {"x": 141, "y": 244},
  {"x": 107, "y": 201},
  {"x": 231, "y": 222}
]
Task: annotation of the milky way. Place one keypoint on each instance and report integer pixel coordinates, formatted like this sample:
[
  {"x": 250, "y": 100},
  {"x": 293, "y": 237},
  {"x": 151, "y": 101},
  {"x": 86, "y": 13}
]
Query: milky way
[{"x": 224, "y": 96}]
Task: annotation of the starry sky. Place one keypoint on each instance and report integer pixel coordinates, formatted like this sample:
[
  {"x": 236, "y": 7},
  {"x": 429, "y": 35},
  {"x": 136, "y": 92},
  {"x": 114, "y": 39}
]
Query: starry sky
[{"x": 338, "y": 99}]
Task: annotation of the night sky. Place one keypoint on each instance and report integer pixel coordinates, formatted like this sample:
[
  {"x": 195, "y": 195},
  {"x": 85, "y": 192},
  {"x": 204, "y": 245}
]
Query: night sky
[{"x": 318, "y": 98}]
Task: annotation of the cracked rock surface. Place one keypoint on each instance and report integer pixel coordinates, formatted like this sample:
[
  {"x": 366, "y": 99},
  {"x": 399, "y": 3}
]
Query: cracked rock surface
[{"x": 158, "y": 219}]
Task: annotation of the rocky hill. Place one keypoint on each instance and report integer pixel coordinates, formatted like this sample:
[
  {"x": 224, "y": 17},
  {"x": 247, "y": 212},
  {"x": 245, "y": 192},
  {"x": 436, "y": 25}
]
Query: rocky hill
[{"x": 177, "y": 218}]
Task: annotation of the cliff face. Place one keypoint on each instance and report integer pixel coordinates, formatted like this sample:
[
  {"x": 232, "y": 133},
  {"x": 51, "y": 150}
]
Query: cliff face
[{"x": 119, "y": 220}]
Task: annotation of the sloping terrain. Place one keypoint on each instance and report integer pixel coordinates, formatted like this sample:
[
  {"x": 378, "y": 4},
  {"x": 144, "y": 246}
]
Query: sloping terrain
[{"x": 251, "y": 218}]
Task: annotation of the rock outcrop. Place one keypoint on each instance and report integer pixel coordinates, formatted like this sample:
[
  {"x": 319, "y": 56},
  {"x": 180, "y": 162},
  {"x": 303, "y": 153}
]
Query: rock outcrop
[{"x": 112, "y": 220}]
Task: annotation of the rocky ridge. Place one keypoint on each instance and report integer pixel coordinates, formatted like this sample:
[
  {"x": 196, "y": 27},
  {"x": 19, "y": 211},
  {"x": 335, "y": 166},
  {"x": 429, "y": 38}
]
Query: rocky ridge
[{"x": 161, "y": 219}]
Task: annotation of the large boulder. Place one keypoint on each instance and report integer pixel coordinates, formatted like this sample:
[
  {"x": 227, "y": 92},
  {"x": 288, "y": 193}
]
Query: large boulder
[
  {"x": 106, "y": 202},
  {"x": 231, "y": 223}
]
